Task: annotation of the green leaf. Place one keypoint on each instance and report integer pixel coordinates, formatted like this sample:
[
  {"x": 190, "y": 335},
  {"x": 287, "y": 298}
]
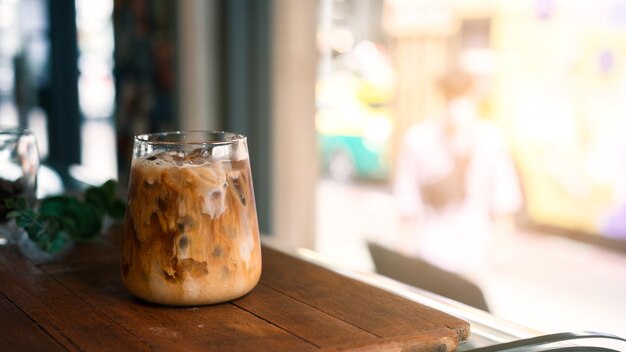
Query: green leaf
[
  {"x": 56, "y": 206},
  {"x": 10, "y": 203},
  {"x": 13, "y": 214},
  {"x": 40, "y": 233},
  {"x": 15, "y": 203},
  {"x": 59, "y": 240},
  {"x": 68, "y": 224},
  {"x": 37, "y": 235},
  {"x": 83, "y": 220},
  {"x": 88, "y": 220},
  {"x": 117, "y": 209},
  {"x": 97, "y": 198},
  {"x": 53, "y": 242},
  {"x": 23, "y": 220},
  {"x": 94, "y": 198},
  {"x": 103, "y": 198},
  {"x": 109, "y": 188},
  {"x": 61, "y": 219}
]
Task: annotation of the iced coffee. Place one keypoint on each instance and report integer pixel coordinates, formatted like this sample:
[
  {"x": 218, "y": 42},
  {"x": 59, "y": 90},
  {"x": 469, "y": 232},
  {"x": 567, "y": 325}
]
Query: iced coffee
[{"x": 191, "y": 232}]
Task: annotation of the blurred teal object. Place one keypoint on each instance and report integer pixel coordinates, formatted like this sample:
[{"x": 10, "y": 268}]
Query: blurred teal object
[{"x": 347, "y": 158}]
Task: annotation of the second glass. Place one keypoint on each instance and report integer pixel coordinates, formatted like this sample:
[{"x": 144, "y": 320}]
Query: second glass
[
  {"x": 191, "y": 232},
  {"x": 19, "y": 162}
]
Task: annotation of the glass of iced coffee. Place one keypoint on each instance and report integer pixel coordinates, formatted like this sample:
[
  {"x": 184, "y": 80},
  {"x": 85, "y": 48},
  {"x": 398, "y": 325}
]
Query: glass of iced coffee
[{"x": 191, "y": 233}]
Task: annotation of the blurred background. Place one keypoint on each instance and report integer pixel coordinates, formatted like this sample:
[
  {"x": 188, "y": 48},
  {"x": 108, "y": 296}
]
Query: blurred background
[{"x": 484, "y": 139}]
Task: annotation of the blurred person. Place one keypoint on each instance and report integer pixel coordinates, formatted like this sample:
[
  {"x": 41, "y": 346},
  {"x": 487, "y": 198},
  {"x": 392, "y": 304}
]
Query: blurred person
[{"x": 454, "y": 176}]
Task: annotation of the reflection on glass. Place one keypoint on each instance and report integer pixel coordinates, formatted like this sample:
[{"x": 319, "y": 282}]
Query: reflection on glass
[{"x": 19, "y": 161}]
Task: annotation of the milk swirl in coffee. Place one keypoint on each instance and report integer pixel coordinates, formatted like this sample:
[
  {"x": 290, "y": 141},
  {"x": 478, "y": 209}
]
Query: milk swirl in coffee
[{"x": 191, "y": 233}]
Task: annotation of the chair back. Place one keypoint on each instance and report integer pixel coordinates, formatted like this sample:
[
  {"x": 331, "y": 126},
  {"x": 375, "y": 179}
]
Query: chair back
[{"x": 419, "y": 273}]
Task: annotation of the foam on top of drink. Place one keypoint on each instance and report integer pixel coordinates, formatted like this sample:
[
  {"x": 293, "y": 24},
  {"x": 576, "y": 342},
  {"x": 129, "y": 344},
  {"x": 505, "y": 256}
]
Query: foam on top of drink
[{"x": 209, "y": 177}]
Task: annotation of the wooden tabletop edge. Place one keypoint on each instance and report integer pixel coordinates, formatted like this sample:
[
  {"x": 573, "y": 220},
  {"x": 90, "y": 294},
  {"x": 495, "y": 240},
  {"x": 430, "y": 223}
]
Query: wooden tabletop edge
[{"x": 442, "y": 339}]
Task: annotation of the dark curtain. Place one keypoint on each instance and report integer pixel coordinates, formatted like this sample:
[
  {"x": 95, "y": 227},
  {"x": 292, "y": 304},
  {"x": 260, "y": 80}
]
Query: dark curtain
[{"x": 145, "y": 67}]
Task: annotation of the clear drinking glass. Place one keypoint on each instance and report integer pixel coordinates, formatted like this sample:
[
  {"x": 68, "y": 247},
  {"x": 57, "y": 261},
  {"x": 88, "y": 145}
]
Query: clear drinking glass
[
  {"x": 19, "y": 162},
  {"x": 191, "y": 233}
]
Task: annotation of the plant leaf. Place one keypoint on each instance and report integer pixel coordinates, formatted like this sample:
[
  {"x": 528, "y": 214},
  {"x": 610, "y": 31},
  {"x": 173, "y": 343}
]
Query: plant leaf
[
  {"x": 13, "y": 214},
  {"x": 109, "y": 188},
  {"x": 10, "y": 203},
  {"x": 117, "y": 209},
  {"x": 20, "y": 204},
  {"x": 55, "y": 206},
  {"x": 88, "y": 220},
  {"x": 97, "y": 198},
  {"x": 61, "y": 219},
  {"x": 23, "y": 220},
  {"x": 53, "y": 242}
]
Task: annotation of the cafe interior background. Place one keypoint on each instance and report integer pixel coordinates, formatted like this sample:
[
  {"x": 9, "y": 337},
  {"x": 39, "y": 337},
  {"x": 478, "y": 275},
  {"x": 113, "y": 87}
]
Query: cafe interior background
[{"x": 326, "y": 92}]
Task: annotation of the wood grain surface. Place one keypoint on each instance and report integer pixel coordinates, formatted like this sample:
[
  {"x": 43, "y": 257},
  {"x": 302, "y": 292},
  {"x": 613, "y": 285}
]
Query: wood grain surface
[{"x": 76, "y": 302}]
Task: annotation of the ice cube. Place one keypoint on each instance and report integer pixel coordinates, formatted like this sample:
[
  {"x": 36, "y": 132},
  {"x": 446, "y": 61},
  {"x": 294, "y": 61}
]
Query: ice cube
[{"x": 198, "y": 156}]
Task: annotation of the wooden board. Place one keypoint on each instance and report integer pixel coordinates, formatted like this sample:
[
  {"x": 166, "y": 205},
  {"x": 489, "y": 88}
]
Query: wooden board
[{"x": 77, "y": 302}]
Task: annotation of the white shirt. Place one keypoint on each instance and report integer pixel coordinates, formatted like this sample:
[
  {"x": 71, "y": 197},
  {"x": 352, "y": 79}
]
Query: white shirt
[{"x": 457, "y": 235}]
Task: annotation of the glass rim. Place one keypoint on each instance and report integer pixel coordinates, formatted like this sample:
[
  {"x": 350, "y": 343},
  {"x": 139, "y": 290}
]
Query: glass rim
[
  {"x": 14, "y": 130},
  {"x": 168, "y": 138}
]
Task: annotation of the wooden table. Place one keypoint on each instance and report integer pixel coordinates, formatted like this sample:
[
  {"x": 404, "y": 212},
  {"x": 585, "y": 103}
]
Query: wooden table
[{"x": 76, "y": 301}]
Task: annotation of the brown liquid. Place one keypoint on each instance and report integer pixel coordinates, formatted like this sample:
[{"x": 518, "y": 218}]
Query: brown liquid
[{"x": 190, "y": 234}]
